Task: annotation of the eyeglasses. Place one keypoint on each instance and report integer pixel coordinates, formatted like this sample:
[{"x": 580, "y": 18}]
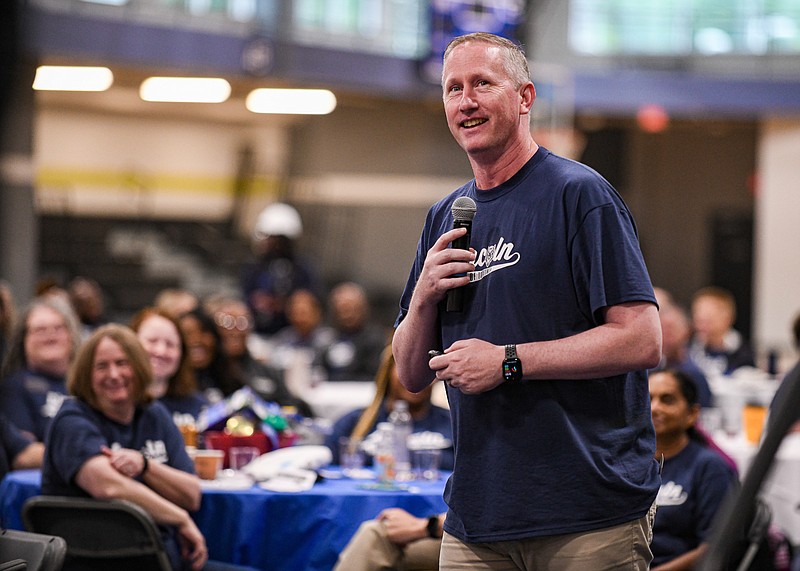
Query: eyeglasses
[
  {"x": 40, "y": 330},
  {"x": 233, "y": 322}
]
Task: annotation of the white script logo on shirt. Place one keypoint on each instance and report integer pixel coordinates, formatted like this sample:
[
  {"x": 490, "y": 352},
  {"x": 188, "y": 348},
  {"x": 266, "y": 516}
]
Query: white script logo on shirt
[
  {"x": 671, "y": 494},
  {"x": 155, "y": 450},
  {"x": 493, "y": 258},
  {"x": 52, "y": 404}
]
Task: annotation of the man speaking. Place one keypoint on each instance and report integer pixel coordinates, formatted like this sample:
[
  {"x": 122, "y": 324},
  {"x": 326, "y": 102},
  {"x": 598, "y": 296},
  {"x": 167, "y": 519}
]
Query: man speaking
[{"x": 545, "y": 364}]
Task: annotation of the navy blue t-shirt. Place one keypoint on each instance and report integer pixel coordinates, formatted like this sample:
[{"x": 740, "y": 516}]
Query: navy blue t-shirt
[
  {"x": 12, "y": 442},
  {"x": 695, "y": 483},
  {"x": 31, "y": 400},
  {"x": 555, "y": 245},
  {"x": 78, "y": 432},
  {"x": 192, "y": 404}
]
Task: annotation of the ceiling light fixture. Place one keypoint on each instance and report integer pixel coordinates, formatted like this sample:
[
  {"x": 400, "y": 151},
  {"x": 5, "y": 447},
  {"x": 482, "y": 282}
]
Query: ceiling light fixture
[
  {"x": 72, "y": 78},
  {"x": 185, "y": 89},
  {"x": 291, "y": 101}
]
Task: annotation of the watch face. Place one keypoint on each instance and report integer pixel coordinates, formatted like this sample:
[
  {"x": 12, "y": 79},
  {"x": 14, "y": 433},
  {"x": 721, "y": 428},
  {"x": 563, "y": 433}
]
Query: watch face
[{"x": 512, "y": 369}]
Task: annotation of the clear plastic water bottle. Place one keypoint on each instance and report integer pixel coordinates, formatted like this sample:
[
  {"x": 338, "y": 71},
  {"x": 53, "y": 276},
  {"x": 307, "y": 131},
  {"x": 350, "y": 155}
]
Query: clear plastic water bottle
[
  {"x": 402, "y": 425},
  {"x": 383, "y": 460}
]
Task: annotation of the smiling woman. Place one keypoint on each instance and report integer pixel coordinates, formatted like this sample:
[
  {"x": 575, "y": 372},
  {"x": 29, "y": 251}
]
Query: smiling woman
[
  {"x": 113, "y": 442},
  {"x": 39, "y": 354},
  {"x": 694, "y": 477}
]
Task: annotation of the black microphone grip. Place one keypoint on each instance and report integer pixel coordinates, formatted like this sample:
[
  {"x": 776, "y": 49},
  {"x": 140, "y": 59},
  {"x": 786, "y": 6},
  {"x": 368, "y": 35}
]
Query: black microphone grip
[{"x": 455, "y": 296}]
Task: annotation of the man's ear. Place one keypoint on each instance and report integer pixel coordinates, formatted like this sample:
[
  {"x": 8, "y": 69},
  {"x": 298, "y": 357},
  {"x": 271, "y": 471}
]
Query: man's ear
[{"x": 527, "y": 96}]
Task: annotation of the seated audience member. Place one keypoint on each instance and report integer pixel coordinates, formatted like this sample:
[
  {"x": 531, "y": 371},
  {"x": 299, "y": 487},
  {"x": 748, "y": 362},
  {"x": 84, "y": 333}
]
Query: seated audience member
[
  {"x": 695, "y": 479},
  {"x": 34, "y": 373},
  {"x": 207, "y": 356},
  {"x": 395, "y": 539},
  {"x": 235, "y": 325},
  {"x": 112, "y": 442},
  {"x": 717, "y": 347},
  {"x": 173, "y": 383},
  {"x": 354, "y": 353},
  {"x": 426, "y": 417},
  {"x": 176, "y": 301},
  {"x": 18, "y": 451},
  {"x": 676, "y": 332},
  {"x": 48, "y": 287},
  {"x": 8, "y": 317},
  {"x": 305, "y": 332},
  {"x": 86, "y": 298},
  {"x": 276, "y": 270}
]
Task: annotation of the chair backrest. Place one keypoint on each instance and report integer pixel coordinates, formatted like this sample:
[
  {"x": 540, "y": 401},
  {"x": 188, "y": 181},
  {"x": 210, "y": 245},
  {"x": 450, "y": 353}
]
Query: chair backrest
[
  {"x": 103, "y": 534},
  {"x": 31, "y": 551}
]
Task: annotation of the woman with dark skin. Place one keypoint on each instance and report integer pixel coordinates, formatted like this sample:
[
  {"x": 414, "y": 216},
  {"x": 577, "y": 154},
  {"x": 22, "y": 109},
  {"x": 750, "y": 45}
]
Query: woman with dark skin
[{"x": 695, "y": 479}]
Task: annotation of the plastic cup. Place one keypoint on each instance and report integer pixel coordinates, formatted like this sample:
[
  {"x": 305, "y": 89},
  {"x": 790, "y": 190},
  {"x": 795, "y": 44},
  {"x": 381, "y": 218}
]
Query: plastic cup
[
  {"x": 351, "y": 457},
  {"x": 753, "y": 417},
  {"x": 208, "y": 463},
  {"x": 241, "y": 456},
  {"x": 426, "y": 463}
]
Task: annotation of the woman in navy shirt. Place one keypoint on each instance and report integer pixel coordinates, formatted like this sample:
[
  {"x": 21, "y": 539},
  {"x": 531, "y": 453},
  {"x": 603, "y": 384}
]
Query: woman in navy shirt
[
  {"x": 694, "y": 479},
  {"x": 112, "y": 441},
  {"x": 174, "y": 383}
]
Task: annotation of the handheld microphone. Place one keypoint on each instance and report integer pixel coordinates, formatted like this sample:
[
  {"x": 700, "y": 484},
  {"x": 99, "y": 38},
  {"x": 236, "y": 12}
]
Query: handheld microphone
[{"x": 463, "y": 211}]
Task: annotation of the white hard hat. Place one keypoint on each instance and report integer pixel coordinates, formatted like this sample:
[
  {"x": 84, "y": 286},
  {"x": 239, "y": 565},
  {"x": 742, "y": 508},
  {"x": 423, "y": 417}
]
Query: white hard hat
[{"x": 278, "y": 219}]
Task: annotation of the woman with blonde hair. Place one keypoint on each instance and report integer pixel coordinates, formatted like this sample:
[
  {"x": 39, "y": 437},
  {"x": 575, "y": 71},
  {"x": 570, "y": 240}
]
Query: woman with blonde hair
[{"x": 174, "y": 383}]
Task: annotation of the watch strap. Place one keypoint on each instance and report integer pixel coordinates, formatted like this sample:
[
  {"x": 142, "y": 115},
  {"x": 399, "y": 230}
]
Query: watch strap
[
  {"x": 433, "y": 527},
  {"x": 511, "y": 351}
]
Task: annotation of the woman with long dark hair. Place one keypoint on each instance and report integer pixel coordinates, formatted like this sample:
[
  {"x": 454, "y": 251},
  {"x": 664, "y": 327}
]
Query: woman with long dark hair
[{"x": 694, "y": 477}]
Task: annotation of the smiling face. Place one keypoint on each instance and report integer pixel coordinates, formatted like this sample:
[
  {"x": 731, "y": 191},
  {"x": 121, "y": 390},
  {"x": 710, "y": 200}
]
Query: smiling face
[
  {"x": 201, "y": 344},
  {"x": 672, "y": 413},
  {"x": 161, "y": 340},
  {"x": 48, "y": 345},
  {"x": 486, "y": 113},
  {"x": 112, "y": 379}
]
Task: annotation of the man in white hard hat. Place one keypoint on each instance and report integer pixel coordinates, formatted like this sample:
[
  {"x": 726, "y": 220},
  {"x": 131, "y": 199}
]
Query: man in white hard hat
[{"x": 277, "y": 271}]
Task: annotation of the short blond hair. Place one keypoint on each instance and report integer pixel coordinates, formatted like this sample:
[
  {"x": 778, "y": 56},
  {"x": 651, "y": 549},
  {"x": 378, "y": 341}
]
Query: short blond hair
[{"x": 514, "y": 60}]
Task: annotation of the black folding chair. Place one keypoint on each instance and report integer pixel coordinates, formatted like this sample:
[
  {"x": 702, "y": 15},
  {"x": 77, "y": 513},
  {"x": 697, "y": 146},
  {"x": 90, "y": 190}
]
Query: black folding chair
[
  {"x": 23, "y": 550},
  {"x": 100, "y": 534}
]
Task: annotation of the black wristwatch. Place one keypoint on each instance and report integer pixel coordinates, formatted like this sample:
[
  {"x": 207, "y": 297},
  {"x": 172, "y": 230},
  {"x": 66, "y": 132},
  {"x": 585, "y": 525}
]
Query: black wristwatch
[
  {"x": 512, "y": 366},
  {"x": 433, "y": 527}
]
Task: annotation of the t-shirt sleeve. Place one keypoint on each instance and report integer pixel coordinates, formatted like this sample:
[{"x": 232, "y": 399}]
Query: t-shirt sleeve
[
  {"x": 73, "y": 440},
  {"x": 13, "y": 440},
  {"x": 714, "y": 480},
  {"x": 607, "y": 260},
  {"x": 15, "y": 404}
]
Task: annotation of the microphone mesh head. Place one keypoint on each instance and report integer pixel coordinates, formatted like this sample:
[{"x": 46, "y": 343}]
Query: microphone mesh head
[{"x": 463, "y": 208}]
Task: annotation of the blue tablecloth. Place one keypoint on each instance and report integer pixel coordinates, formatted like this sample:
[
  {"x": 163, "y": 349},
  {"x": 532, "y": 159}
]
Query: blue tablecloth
[{"x": 271, "y": 530}]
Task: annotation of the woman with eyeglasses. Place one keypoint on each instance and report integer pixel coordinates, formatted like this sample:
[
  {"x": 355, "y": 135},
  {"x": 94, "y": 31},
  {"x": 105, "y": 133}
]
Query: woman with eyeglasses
[
  {"x": 34, "y": 373},
  {"x": 235, "y": 326}
]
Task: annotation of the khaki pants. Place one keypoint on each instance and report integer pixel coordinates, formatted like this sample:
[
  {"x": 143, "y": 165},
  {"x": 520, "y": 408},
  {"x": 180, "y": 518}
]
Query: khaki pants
[
  {"x": 622, "y": 547},
  {"x": 370, "y": 550}
]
